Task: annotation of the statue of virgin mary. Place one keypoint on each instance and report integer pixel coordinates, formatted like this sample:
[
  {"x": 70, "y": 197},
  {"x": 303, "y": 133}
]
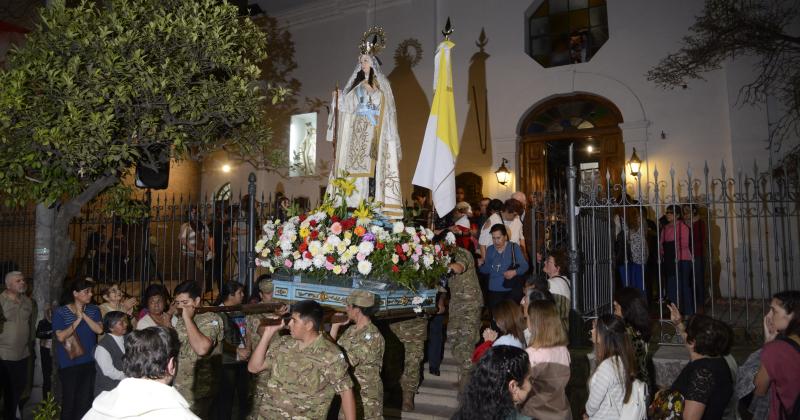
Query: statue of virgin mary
[{"x": 367, "y": 141}]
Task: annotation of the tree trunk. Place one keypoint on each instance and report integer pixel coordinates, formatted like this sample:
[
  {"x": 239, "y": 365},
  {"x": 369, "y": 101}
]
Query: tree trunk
[{"x": 53, "y": 248}]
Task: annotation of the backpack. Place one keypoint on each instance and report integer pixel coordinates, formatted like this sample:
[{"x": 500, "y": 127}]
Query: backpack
[{"x": 795, "y": 413}]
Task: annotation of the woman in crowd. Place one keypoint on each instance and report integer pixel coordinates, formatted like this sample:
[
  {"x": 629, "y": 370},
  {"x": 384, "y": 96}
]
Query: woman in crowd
[
  {"x": 76, "y": 326},
  {"x": 508, "y": 329},
  {"x": 499, "y": 384},
  {"x": 676, "y": 260},
  {"x": 363, "y": 345},
  {"x": 499, "y": 266},
  {"x": 706, "y": 383},
  {"x": 493, "y": 217},
  {"x": 558, "y": 285},
  {"x": 235, "y": 351},
  {"x": 156, "y": 298},
  {"x": 109, "y": 352},
  {"x": 633, "y": 253},
  {"x": 780, "y": 357},
  {"x": 611, "y": 384},
  {"x": 630, "y": 305},
  {"x": 550, "y": 363}
]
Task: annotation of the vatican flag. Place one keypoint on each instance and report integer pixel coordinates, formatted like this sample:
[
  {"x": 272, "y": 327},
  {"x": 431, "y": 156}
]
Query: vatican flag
[{"x": 437, "y": 159}]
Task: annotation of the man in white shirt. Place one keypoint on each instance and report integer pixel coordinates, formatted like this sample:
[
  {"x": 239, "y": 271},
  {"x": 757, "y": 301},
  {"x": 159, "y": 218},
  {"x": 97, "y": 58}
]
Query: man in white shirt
[
  {"x": 512, "y": 209},
  {"x": 150, "y": 364}
]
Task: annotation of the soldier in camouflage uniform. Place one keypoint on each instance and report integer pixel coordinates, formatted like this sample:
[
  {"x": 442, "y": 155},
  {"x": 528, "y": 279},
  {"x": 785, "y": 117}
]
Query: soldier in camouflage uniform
[
  {"x": 200, "y": 356},
  {"x": 304, "y": 370},
  {"x": 265, "y": 289},
  {"x": 412, "y": 333},
  {"x": 363, "y": 345},
  {"x": 466, "y": 301}
]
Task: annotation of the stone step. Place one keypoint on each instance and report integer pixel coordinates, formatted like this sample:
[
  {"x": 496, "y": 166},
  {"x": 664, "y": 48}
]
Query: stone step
[{"x": 421, "y": 412}]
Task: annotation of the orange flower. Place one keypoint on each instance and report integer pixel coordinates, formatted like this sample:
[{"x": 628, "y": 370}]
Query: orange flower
[{"x": 360, "y": 231}]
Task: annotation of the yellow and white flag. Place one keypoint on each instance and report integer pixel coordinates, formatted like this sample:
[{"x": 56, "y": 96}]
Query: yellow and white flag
[{"x": 437, "y": 159}]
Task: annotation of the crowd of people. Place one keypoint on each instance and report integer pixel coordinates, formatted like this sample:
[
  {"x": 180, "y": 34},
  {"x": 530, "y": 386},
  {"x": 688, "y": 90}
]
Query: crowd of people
[{"x": 508, "y": 328}]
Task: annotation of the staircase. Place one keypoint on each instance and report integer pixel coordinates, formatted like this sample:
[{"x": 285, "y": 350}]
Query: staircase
[{"x": 437, "y": 398}]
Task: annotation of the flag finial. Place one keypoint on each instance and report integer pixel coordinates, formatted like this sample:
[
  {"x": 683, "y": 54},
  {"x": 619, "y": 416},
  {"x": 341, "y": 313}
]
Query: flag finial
[{"x": 448, "y": 29}]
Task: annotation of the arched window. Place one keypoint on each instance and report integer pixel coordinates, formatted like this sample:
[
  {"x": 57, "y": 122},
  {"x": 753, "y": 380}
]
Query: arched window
[
  {"x": 563, "y": 32},
  {"x": 223, "y": 193}
]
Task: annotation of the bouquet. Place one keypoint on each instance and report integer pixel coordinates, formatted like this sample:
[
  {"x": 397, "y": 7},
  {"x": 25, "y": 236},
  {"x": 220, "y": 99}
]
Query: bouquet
[{"x": 332, "y": 240}]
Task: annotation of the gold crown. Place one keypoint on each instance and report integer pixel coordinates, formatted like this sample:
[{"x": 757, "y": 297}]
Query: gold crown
[{"x": 373, "y": 41}]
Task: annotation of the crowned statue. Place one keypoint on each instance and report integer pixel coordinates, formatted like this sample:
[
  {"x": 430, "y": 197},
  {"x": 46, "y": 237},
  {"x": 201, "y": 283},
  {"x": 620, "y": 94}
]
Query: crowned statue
[{"x": 363, "y": 127}]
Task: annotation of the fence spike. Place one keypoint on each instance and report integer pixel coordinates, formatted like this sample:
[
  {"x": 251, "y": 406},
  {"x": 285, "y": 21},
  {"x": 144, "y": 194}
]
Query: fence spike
[
  {"x": 705, "y": 169},
  {"x": 723, "y": 170},
  {"x": 755, "y": 169}
]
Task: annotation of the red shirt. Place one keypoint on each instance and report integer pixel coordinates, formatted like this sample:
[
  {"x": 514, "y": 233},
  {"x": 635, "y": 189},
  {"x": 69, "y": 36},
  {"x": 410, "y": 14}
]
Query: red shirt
[{"x": 782, "y": 362}]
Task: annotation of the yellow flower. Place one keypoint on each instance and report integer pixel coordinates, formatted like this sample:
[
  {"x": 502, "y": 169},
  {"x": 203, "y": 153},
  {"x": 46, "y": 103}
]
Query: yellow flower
[
  {"x": 346, "y": 186},
  {"x": 327, "y": 208},
  {"x": 348, "y": 234},
  {"x": 363, "y": 213},
  {"x": 304, "y": 232}
]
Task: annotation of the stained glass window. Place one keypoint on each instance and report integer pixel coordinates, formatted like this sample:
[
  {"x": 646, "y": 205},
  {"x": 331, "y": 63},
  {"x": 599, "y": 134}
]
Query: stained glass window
[
  {"x": 566, "y": 31},
  {"x": 578, "y": 114}
]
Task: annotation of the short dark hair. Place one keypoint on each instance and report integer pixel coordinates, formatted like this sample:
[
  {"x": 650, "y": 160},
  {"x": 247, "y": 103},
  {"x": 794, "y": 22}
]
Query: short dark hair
[
  {"x": 560, "y": 259},
  {"x": 309, "y": 310},
  {"x": 112, "y": 318},
  {"x": 82, "y": 283},
  {"x": 634, "y": 310},
  {"x": 708, "y": 336},
  {"x": 189, "y": 287},
  {"x": 513, "y": 206},
  {"x": 499, "y": 227},
  {"x": 229, "y": 288},
  {"x": 494, "y": 206},
  {"x": 155, "y": 290},
  {"x": 790, "y": 302},
  {"x": 147, "y": 352}
]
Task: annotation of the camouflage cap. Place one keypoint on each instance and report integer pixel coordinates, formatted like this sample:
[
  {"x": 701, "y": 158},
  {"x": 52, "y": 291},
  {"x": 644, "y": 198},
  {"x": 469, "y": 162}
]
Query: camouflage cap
[
  {"x": 361, "y": 298},
  {"x": 266, "y": 286}
]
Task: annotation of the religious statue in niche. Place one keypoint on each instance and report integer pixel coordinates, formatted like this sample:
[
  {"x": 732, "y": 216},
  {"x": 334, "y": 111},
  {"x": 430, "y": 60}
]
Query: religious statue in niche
[
  {"x": 363, "y": 128},
  {"x": 303, "y": 144},
  {"x": 578, "y": 46}
]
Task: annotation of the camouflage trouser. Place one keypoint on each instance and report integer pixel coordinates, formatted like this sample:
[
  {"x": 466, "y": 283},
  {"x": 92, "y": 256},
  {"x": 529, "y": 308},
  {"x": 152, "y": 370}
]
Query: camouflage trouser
[
  {"x": 412, "y": 333},
  {"x": 201, "y": 407},
  {"x": 257, "y": 401},
  {"x": 463, "y": 330}
]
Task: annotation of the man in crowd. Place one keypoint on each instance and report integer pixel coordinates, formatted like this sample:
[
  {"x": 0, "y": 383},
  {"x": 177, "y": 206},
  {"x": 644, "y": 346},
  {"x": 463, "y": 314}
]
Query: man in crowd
[
  {"x": 412, "y": 333},
  {"x": 17, "y": 326},
  {"x": 512, "y": 209},
  {"x": 466, "y": 302},
  {"x": 200, "y": 357},
  {"x": 520, "y": 196},
  {"x": 304, "y": 369},
  {"x": 150, "y": 364}
]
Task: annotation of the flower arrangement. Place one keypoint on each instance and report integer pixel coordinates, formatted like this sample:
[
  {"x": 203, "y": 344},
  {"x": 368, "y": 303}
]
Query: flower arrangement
[{"x": 332, "y": 241}]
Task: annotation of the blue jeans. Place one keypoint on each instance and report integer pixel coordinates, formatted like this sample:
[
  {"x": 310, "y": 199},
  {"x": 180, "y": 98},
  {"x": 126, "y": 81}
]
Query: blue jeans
[
  {"x": 679, "y": 288},
  {"x": 631, "y": 275}
]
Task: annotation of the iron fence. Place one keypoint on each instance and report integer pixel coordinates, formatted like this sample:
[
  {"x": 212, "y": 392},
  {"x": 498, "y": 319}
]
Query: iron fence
[
  {"x": 176, "y": 238},
  {"x": 718, "y": 243}
]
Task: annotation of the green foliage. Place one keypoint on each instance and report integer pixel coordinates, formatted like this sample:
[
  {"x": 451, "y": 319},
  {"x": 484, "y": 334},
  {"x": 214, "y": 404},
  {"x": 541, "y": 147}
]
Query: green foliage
[
  {"x": 121, "y": 201},
  {"x": 47, "y": 409},
  {"x": 95, "y": 88}
]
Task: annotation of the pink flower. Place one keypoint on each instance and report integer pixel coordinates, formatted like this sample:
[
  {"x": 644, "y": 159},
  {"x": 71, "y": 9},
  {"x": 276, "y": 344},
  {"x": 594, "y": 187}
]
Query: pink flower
[
  {"x": 329, "y": 266},
  {"x": 418, "y": 250},
  {"x": 360, "y": 256},
  {"x": 336, "y": 228},
  {"x": 287, "y": 263},
  {"x": 415, "y": 257},
  {"x": 405, "y": 248}
]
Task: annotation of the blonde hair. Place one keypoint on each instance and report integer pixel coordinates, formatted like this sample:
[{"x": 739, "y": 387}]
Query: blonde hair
[{"x": 545, "y": 325}]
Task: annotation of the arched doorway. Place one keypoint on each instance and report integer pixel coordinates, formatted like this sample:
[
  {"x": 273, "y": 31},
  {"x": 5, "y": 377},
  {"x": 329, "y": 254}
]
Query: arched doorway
[{"x": 590, "y": 122}]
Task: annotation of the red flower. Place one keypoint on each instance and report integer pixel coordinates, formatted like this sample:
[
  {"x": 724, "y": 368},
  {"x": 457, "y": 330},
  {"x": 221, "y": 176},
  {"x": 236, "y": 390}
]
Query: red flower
[
  {"x": 307, "y": 255},
  {"x": 314, "y": 234},
  {"x": 280, "y": 231},
  {"x": 380, "y": 245},
  {"x": 330, "y": 259},
  {"x": 277, "y": 252},
  {"x": 395, "y": 269},
  {"x": 313, "y": 223},
  {"x": 335, "y": 219},
  {"x": 303, "y": 217},
  {"x": 399, "y": 250}
]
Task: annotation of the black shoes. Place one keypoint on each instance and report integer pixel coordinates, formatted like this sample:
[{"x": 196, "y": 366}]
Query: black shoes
[{"x": 434, "y": 371}]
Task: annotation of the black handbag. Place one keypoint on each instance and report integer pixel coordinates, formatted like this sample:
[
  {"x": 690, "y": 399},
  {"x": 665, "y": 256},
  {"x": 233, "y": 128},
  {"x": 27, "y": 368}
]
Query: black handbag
[{"x": 516, "y": 283}]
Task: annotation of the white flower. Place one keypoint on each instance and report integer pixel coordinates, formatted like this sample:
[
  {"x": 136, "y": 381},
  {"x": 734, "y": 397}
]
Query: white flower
[
  {"x": 333, "y": 240},
  {"x": 417, "y": 300},
  {"x": 366, "y": 247},
  {"x": 364, "y": 267},
  {"x": 314, "y": 247},
  {"x": 319, "y": 261},
  {"x": 418, "y": 309},
  {"x": 398, "y": 227},
  {"x": 429, "y": 233},
  {"x": 410, "y": 230},
  {"x": 427, "y": 260},
  {"x": 450, "y": 238},
  {"x": 395, "y": 258}
]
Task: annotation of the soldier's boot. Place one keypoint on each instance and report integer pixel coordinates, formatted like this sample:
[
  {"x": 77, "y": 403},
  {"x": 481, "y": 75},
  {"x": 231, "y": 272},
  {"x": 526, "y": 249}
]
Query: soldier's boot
[{"x": 408, "y": 401}]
